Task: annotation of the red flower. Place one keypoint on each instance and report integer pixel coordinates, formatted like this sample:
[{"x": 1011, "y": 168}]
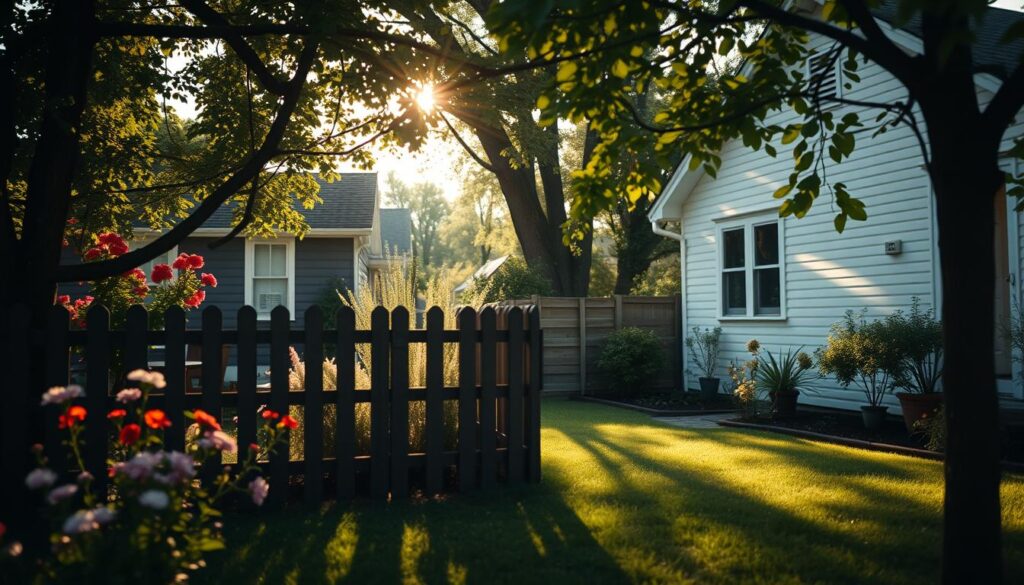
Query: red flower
[
  {"x": 254, "y": 447},
  {"x": 196, "y": 299},
  {"x": 270, "y": 415},
  {"x": 130, "y": 434},
  {"x": 161, "y": 272},
  {"x": 72, "y": 221},
  {"x": 206, "y": 420},
  {"x": 181, "y": 262},
  {"x": 93, "y": 253},
  {"x": 288, "y": 422},
  {"x": 64, "y": 299},
  {"x": 109, "y": 238},
  {"x": 157, "y": 419},
  {"x": 75, "y": 414},
  {"x": 117, "y": 413},
  {"x": 137, "y": 274},
  {"x": 141, "y": 290},
  {"x": 208, "y": 280},
  {"x": 195, "y": 262},
  {"x": 3, "y": 529},
  {"x": 118, "y": 248}
]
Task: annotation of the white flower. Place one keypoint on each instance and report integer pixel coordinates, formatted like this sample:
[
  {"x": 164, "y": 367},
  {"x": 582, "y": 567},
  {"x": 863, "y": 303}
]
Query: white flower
[
  {"x": 88, "y": 520},
  {"x": 155, "y": 499},
  {"x": 219, "y": 440},
  {"x": 259, "y": 488},
  {"x": 154, "y": 379},
  {"x": 61, "y": 394},
  {"x": 59, "y": 494},
  {"x": 129, "y": 395},
  {"x": 40, "y": 478},
  {"x": 104, "y": 515}
]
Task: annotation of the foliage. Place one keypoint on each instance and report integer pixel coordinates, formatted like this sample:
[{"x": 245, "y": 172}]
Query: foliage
[
  {"x": 918, "y": 336},
  {"x": 428, "y": 207},
  {"x": 744, "y": 386},
  {"x": 862, "y": 352},
  {"x": 661, "y": 279},
  {"x": 162, "y": 522},
  {"x": 785, "y": 374},
  {"x": 630, "y": 358},
  {"x": 478, "y": 227},
  {"x": 1015, "y": 331},
  {"x": 704, "y": 347},
  {"x": 515, "y": 279},
  {"x": 933, "y": 426},
  {"x": 602, "y": 276}
]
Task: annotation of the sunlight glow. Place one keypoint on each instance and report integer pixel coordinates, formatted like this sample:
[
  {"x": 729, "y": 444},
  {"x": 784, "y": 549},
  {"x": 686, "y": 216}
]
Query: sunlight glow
[{"x": 425, "y": 98}]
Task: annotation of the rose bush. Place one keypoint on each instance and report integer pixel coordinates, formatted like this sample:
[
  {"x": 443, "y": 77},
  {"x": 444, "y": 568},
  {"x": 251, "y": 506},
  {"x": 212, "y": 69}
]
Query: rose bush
[{"x": 160, "y": 520}]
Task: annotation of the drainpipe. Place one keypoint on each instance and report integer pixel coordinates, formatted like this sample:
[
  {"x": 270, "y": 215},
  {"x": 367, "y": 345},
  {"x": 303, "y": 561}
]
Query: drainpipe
[{"x": 678, "y": 236}]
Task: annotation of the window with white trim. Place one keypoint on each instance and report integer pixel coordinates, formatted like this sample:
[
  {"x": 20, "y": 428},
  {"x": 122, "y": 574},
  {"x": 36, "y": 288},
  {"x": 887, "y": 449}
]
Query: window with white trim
[
  {"x": 752, "y": 270},
  {"x": 270, "y": 275},
  {"x": 165, "y": 258}
]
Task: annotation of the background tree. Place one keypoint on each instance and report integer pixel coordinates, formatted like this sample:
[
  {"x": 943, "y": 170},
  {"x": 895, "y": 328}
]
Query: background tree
[
  {"x": 675, "y": 46},
  {"x": 428, "y": 207}
]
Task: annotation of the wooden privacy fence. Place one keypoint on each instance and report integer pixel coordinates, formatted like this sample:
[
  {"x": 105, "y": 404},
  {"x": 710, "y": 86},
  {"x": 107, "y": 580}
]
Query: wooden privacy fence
[
  {"x": 575, "y": 328},
  {"x": 495, "y": 404}
]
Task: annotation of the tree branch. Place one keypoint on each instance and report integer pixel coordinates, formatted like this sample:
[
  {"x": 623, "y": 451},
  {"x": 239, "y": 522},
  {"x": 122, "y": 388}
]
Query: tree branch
[
  {"x": 1006, "y": 104},
  {"x": 476, "y": 157},
  {"x": 105, "y": 268}
]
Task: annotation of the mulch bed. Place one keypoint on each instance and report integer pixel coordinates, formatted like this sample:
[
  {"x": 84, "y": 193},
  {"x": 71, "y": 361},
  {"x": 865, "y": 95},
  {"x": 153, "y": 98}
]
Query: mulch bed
[{"x": 667, "y": 404}]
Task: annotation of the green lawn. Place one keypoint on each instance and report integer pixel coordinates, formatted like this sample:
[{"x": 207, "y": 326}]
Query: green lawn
[{"x": 627, "y": 499}]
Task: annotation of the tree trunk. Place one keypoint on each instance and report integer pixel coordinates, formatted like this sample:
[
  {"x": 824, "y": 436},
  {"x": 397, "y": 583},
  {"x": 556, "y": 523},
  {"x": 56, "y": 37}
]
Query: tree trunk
[{"x": 965, "y": 178}]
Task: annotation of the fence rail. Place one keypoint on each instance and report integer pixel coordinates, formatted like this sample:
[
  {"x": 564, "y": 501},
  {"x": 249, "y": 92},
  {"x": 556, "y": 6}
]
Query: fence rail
[{"x": 496, "y": 399}]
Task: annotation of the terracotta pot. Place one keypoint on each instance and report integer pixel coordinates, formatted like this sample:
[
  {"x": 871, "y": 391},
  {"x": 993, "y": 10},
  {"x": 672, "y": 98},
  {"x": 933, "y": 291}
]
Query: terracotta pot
[
  {"x": 709, "y": 387},
  {"x": 784, "y": 402},
  {"x": 874, "y": 416},
  {"x": 917, "y": 406}
]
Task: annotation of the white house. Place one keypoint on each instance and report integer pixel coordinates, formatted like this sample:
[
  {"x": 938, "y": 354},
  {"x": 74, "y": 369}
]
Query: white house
[{"x": 784, "y": 281}]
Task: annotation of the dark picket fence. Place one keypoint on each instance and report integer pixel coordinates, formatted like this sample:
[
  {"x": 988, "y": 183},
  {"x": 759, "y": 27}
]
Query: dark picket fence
[{"x": 497, "y": 395}]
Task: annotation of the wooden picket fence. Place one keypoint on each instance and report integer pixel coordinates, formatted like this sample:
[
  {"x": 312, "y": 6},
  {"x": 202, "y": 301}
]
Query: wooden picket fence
[{"x": 497, "y": 395}]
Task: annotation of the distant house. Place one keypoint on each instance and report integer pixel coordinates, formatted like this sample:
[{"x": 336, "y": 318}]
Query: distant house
[
  {"x": 482, "y": 273},
  {"x": 783, "y": 281}
]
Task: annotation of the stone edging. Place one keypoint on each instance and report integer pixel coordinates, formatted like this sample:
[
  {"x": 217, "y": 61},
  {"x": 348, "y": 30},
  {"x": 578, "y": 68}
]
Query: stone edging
[{"x": 651, "y": 411}]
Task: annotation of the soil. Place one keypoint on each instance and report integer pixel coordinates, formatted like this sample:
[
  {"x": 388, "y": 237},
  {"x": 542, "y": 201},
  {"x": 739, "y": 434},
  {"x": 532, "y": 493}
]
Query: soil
[{"x": 675, "y": 401}]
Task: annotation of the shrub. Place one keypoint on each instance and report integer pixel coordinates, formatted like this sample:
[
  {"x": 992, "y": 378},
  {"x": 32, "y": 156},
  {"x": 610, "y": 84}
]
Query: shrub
[
  {"x": 631, "y": 357},
  {"x": 513, "y": 280},
  {"x": 744, "y": 386},
  {"x": 862, "y": 352},
  {"x": 785, "y": 374},
  {"x": 704, "y": 345},
  {"x": 918, "y": 337},
  {"x": 933, "y": 427}
]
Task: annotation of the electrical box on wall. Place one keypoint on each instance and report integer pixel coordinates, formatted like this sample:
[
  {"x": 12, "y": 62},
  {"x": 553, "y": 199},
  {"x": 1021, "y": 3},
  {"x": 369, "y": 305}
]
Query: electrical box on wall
[{"x": 894, "y": 247}]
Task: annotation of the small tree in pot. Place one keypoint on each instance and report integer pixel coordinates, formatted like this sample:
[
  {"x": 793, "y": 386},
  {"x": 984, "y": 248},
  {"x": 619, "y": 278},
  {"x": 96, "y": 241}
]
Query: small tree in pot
[
  {"x": 918, "y": 338},
  {"x": 780, "y": 378},
  {"x": 866, "y": 354},
  {"x": 704, "y": 347}
]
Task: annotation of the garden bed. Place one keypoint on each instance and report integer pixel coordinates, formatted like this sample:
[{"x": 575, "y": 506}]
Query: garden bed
[{"x": 668, "y": 403}]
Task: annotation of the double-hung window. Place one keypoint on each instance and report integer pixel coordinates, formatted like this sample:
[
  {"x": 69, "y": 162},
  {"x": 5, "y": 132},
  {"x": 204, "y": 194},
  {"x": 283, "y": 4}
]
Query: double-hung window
[
  {"x": 270, "y": 275},
  {"x": 751, "y": 269}
]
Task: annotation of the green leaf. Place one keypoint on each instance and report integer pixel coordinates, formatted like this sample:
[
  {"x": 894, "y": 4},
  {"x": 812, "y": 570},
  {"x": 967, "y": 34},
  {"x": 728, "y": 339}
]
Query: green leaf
[
  {"x": 840, "y": 222},
  {"x": 620, "y": 69},
  {"x": 791, "y": 134},
  {"x": 565, "y": 71},
  {"x": 782, "y": 191}
]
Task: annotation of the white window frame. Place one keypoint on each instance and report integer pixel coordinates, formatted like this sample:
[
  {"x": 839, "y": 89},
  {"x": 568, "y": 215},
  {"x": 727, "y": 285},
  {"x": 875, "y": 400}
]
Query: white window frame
[
  {"x": 140, "y": 241},
  {"x": 747, "y": 223},
  {"x": 250, "y": 247},
  {"x": 837, "y": 72}
]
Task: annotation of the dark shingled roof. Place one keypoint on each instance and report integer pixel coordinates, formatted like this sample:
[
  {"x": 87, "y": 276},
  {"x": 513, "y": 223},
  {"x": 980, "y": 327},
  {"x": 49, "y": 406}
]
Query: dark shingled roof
[
  {"x": 396, "y": 230},
  {"x": 991, "y": 54},
  {"x": 348, "y": 204}
]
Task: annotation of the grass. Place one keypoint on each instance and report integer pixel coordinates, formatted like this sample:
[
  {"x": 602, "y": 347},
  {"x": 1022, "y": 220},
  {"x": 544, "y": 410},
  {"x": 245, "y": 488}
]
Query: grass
[{"x": 627, "y": 499}]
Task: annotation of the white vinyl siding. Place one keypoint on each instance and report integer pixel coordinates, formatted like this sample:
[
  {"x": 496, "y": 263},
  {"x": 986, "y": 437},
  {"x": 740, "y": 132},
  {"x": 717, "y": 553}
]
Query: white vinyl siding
[{"x": 270, "y": 275}]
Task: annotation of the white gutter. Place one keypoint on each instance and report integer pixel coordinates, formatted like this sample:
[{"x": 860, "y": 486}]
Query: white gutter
[{"x": 678, "y": 236}]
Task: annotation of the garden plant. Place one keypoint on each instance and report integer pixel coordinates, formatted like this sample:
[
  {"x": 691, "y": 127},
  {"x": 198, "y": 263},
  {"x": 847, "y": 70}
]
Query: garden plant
[{"x": 630, "y": 359}]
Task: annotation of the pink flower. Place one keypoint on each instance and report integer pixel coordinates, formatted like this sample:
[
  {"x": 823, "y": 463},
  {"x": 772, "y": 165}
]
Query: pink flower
[
  {"x": 59, "y": 494},
  {"x": 129, "y": 395},
  {"x": 208, "y": 280},
  {"x": 161, "y": 272},
  {"x": 64, "y": 300},
  {"x": 40, "y": 478},
  {"x": 62, "y": 394},
  {"x": 218, "y": 440},
  {"x": 154, "y": 379},
  {"x": 259, "y": 488}
]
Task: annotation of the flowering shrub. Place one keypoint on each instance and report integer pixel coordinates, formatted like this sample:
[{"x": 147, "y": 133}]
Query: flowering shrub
[
  {"x": 119, "y": 293},
  {"x": 160, "y": 521},
  {"x": 744, "y": 386}
]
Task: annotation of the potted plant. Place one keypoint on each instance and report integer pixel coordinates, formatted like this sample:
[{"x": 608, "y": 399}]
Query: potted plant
[
  {"x": 918, "y": 338},
  {"x": 780, "y": 378},
  {"x": 704, "y": 347},
  {"x": 865, "y": 354}
]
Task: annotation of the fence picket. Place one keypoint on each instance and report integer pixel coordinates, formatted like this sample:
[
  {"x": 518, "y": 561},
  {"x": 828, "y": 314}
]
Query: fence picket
[
  {"x": 435, "y": 400},
  {"x": 174, "y": 374},
  {"x": 57, "y": 367},
  {"x": 246, "y": 368},
  {"x": 488, "y": 394},
  {"x": 211, "y": 356},
  {"x": 515, "y": 395},
  {"x": 313, "y": 415},
  {"x": 379, "y": 404},
  {"x": 399, "y": 402},
  {"x": 533, "y": 397},
  {"x": 97, "y": 358},
  {"x": 467, "y": 399},
  {"x": 280, "y": 323},
  {"x": 136, "y": 350},
  {"x": 345, "y": 424}
]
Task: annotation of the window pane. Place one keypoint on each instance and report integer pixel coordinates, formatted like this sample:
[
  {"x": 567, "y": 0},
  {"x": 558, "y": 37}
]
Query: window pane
[
  {"x": 766, "y": 244},
  {"x": 261, "y": 260},
  {"x": 278, "y": 264},
  {"x": 734, "y": 293},
  {"x": 767, "y": 292},
  {"x": 268, "y": 293},
  {"x": 732, "y": 242}
]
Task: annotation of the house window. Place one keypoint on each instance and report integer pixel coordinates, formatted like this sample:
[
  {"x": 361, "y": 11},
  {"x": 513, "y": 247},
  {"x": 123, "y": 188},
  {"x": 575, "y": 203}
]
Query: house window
[
  {"x": 752, "y": 269},
  {"x": 825, "y": 69},
  {"x": 165, "y": 258},
  {"x": 270, "y": 275}
]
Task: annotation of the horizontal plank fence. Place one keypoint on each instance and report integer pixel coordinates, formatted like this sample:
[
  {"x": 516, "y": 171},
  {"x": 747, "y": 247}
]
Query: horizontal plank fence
[
  {"x": 575, "y": 329},
  {"x": 477, "y": 414}
]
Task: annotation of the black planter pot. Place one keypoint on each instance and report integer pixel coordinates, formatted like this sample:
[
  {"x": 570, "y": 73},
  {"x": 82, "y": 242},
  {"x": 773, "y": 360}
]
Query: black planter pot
[
  {"x": 709, "y": 387},
  {"x": 874, "y": 416},
  {"x": 784, "y": 403}
]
